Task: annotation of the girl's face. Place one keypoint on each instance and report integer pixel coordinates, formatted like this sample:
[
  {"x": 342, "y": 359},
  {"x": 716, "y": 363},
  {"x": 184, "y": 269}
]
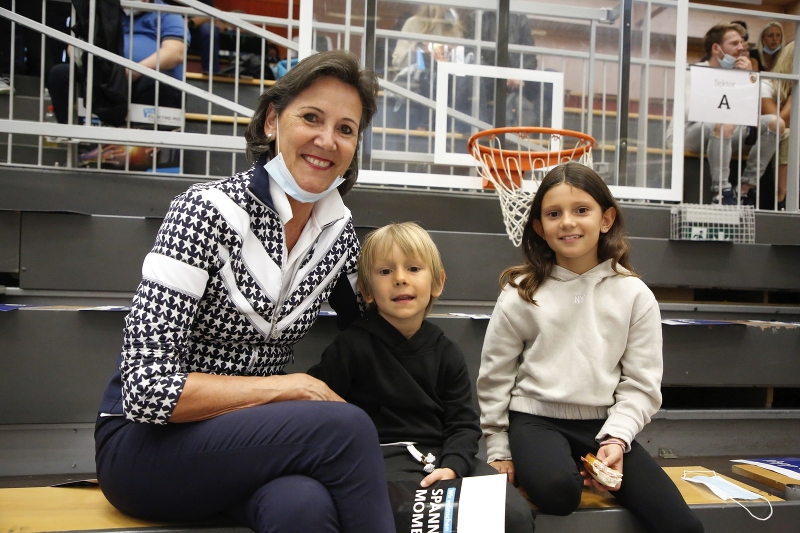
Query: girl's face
[
  {"x": 571, "y": 224},
  {"x": 772, "y": 37}
]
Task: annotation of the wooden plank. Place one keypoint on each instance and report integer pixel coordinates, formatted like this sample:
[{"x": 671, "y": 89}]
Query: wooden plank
[
  {"x": 696, "y": 494},
  {"x": 243, "y": 80},
  {"x": 44, "y": 509},
  {"x": 762, "y": 475},
  {"x": 693, "y": 493}
]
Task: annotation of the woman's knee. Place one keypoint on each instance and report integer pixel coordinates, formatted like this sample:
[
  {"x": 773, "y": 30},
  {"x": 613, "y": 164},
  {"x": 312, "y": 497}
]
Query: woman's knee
[
  {"x": 347, "y": 419},
  {"x": 291, "y": 504},
  {"x": 776, "y": 125}
]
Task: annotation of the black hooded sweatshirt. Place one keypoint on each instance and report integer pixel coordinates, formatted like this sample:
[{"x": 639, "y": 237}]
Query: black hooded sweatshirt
[{"x": 415, "y": 389}]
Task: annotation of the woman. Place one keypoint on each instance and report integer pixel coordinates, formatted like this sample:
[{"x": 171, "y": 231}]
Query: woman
[
  {"x": 769, "y": 46},
  {"x": 776, "y": 93},
  {"x": 199, "y": 419},
  {"x": 430, "y": 20},
  {"x": 413, "y": 60}
]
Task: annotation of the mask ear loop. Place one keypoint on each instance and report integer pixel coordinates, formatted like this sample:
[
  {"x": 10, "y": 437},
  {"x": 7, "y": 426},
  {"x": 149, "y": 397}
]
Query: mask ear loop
[{"x": 750, "y": 512}]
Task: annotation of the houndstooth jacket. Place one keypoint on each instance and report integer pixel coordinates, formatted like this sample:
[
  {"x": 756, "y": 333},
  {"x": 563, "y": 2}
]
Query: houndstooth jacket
[{"x": 217, "y": 296}]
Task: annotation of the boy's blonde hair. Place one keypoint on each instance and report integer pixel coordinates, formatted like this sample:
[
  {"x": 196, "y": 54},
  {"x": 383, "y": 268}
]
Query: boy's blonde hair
[{"x": 413, "y": 241}]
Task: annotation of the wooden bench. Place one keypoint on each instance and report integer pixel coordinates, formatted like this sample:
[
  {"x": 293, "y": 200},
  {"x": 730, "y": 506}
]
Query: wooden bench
[
  {"x": 693, "y": 493},
  {"x": 50, "y": 509},
  {"x": 762, "y": 475},
  {"x": 46, "y": 509}
]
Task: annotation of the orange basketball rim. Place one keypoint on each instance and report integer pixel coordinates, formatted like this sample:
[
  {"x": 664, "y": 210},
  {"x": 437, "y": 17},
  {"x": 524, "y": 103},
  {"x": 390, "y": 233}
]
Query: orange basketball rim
[{"x": 507, "y": 166}]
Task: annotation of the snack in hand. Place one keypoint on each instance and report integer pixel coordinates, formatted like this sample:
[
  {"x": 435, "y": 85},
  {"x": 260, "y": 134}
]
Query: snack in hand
[{"x": 604, "y": 475}]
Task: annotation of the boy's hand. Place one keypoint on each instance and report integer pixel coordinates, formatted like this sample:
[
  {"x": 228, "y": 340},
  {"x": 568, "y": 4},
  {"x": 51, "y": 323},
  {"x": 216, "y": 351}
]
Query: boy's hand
[
  {"x": 611, "y": 455},
  {"x": 504, "y": 467},
  {"x": 436, "y": 475}
]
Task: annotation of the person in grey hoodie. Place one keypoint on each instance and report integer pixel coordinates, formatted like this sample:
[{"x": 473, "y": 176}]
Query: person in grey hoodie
[{"x": 576, "y": 370}]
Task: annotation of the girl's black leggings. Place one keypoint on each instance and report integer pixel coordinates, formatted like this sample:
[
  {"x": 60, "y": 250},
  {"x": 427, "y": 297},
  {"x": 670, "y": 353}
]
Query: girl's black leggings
[{"x": 546, "y": 454}]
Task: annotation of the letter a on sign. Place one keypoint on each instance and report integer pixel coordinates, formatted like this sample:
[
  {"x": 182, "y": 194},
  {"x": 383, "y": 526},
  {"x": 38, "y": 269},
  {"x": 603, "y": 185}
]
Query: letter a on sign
[{"x": 723, "y": 96}]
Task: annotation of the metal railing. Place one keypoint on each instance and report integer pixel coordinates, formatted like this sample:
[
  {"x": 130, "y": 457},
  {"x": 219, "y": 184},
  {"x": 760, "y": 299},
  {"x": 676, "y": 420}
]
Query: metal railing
[
  {"x": 90, "y": 132},
  {"x": 599, "y": 63}
]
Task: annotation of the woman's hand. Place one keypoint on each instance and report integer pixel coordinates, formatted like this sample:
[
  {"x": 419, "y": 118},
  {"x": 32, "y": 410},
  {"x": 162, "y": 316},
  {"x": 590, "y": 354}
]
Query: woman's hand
[
  {"x": 205, "y": 396},
  {"x": 436, "y": 475},
  {"x": 611, "y": 455},
  {"x": 300, "y": 387},
  {"x": 504, "y": 467}
]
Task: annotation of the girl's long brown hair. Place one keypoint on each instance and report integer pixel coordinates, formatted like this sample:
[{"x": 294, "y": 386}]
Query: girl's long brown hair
[{"x": 528, "y": 277}]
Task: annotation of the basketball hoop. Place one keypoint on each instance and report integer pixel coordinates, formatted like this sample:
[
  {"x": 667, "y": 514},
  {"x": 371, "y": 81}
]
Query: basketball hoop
[{"x": 504, "y": 168}]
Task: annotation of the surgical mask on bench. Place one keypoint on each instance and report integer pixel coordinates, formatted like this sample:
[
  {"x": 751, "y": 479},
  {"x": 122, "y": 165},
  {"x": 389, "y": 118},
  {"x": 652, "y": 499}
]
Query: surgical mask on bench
[
  {"x": 727, "y": 61},
  {"x": 724, "y": 489},
  {"x": 277, "y": 169}
]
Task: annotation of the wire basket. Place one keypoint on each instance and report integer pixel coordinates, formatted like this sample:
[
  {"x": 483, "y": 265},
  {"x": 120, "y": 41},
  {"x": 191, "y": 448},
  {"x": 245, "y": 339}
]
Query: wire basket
[
  {"x": 726, "y": 223},
  {"x": 511, "y": 170}
]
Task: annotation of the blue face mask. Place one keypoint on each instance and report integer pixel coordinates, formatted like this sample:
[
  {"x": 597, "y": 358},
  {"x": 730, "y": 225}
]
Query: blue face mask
[
  {"x": 724, "y": 489},
  {"x": 771, "y": 51},
  {"x": 727, "y": 61},
  {"x": 280, "y": 173}
]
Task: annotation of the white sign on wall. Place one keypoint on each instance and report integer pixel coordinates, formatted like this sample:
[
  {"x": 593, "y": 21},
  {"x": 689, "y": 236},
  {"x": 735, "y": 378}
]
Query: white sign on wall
[{"x": 723, "y": 96}]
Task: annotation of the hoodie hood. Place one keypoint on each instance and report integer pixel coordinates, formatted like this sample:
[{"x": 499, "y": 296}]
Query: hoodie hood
[
  {"x": 603, "y": 270},
  {"x": 377, "y": 326}
]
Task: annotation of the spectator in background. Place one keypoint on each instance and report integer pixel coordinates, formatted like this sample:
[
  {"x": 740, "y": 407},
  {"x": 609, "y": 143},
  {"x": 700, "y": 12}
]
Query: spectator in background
[
  {"x": 522, "y": 111},
  {"x": 413, "y": 60},
  {"x": 205, "y": 35},
  {"x": 430, "y": 20},
  {"x": 726, "y": 48},
  {"x": 769, "y": 47},
  {"x": 777, "y": 94},
  {"x": 146, "y": 47}
]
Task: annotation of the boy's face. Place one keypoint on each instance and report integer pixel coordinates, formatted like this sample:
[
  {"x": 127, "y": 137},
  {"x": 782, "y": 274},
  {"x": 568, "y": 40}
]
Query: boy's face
[{"x": 401, "y": 288}]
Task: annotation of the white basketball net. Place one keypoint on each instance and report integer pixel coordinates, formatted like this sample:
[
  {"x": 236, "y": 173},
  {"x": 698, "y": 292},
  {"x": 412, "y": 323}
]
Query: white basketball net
[{"x": 531, "y": 153}]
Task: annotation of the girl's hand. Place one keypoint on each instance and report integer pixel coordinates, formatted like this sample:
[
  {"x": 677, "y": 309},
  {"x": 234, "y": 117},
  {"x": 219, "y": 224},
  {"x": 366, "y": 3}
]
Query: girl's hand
[
  {"x": 611, "y": 455},
  {"x": 504, "y": 467},
  {"x": 436, "y": 475}
]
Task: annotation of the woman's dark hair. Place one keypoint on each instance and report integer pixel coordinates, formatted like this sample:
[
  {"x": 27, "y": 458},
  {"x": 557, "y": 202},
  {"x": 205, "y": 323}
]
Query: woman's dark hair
[
  {"x": 540, "y": 258},
  {"x": 338, "y": 64}
]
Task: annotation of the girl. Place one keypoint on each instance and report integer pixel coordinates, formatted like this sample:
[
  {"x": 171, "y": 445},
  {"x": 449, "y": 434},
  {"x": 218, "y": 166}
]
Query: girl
[
  {"x": 571, "y": 362},
  {"x": 769, "y": 47}
]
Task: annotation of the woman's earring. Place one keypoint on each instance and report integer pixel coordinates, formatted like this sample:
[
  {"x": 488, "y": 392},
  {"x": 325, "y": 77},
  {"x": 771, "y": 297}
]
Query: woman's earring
[{"x": 270, "y": 136}]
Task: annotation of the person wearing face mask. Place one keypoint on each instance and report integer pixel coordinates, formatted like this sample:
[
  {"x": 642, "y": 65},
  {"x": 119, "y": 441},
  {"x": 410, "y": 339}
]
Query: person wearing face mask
[
  {"x": 770, "y": 46},
  {"x": 727, "y": 49},
  {"x": 200, "y": 418}
]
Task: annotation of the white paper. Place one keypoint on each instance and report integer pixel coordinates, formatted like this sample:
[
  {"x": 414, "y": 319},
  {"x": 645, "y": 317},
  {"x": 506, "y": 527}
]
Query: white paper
[
  {"x": 482, "y": 506},
  {"x": 146, "y": 114},
  {"x": 722, "y": 96},
  {"x": 779, "y": 470}
]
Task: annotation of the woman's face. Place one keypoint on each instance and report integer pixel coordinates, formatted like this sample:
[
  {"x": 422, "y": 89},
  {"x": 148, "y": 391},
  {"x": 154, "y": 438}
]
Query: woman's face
[
  {"x": 772, "y": 37},
  {"x": 318, "y": 132}
]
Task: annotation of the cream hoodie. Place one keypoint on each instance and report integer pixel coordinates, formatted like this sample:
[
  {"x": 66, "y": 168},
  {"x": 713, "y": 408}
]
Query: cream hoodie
[{"x": 590, "y": 349}]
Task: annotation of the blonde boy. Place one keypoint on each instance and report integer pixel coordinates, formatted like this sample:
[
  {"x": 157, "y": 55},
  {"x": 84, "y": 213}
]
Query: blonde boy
[{"x": 401, "y": 369}]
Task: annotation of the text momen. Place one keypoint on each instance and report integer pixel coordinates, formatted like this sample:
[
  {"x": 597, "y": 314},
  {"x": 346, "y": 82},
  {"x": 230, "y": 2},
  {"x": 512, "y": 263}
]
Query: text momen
[{"x": 434, "y": 511}]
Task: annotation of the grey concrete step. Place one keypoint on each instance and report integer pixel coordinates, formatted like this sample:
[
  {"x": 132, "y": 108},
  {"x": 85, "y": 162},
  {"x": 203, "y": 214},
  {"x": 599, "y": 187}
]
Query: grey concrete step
[
  {"x": 90, "y": 256},
  {"x": 477, "y": 212}
]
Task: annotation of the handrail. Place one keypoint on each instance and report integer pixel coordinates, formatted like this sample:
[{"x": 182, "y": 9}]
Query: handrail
[
  {"x": 233, "y": 20},
  {"x": 108, "y": 135},
  {"x": 127, "y": 63}
]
